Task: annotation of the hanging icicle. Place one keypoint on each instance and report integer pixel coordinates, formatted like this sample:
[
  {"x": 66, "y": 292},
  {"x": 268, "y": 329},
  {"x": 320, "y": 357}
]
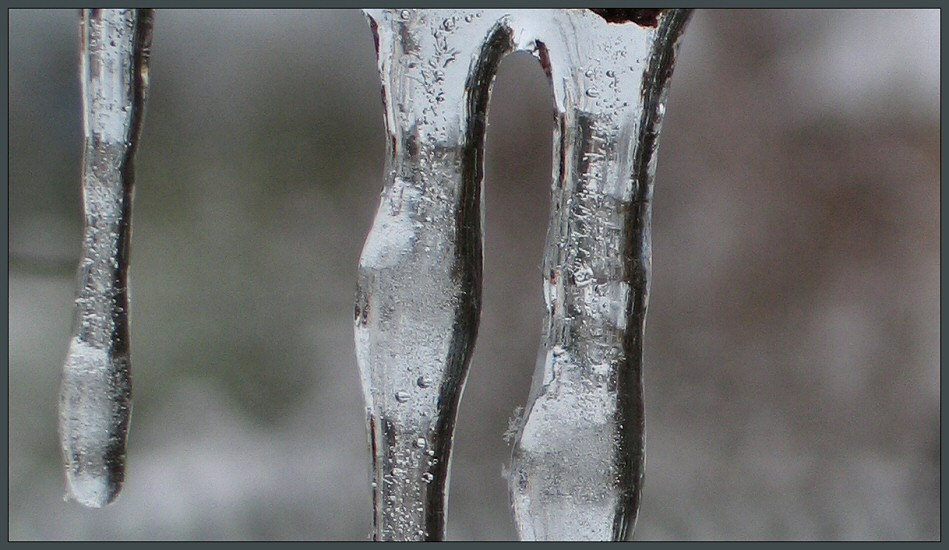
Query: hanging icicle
[
  {"x": 95, "y": 402},
  {"x": 577, "y": 467},
  {"x": 419, "y": 289},
  {"x": 578, "y": 459}
]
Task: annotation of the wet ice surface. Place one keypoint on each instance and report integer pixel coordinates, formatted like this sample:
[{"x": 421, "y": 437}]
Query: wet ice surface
[
  {"x": 822, "y": 466},
  {"x": 418, "y": 296},
  {"x": 577, "y": 465},
  {"x": 95, "y": 409},
  {"x": 95, "y": 401}
]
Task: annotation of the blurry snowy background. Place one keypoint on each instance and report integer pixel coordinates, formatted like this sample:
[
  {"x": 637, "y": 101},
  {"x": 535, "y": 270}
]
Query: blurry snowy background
[{"x": 792, "y": 345}]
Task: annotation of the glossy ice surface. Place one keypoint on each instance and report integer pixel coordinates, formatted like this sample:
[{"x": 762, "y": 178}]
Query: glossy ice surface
[
  {"x": 95, "y": 402},
  {"x": 578, "y": 459}
]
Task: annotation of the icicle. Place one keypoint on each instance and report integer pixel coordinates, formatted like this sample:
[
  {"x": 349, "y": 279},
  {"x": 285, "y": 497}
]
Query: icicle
[
  {"x": 578, "y": 460},
  {"x": 95, "y": 401},
  {"x": 577, "y": 464},
  {"x": 419, "y": 288}
]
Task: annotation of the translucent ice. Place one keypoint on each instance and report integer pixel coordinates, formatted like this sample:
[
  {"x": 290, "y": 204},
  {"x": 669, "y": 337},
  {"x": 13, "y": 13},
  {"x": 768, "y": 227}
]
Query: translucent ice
[
  {"x": 577, "y": 464},
  {"x": 95, "y": 401},
  {"x": 419, "y": 287}
]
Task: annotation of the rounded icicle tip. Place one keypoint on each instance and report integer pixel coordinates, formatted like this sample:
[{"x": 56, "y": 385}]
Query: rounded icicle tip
[
  {"x": 94, "y": 491},
  {"x": 95, "y": 410}
]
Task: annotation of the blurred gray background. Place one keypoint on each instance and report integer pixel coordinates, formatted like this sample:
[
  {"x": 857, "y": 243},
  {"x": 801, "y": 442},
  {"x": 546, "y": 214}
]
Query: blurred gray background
[{"x": 792, "y": 342}]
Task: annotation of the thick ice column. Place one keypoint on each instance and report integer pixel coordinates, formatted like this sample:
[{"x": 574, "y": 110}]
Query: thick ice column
[
  {"x": 95, "y": 402},
  {"x": 419, "y": 287},
  {"x": 578, "y": 461}
]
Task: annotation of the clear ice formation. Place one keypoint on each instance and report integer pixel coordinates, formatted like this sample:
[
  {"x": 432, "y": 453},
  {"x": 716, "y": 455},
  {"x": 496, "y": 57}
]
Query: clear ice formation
[
  {"x": 95, "y": 400},
  {"x": 578, "y": 461}
]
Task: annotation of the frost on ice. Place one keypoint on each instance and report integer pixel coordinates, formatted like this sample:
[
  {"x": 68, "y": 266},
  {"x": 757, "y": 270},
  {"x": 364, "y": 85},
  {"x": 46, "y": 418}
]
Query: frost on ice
[
  {"x": 95, "y": 400},
  {"x": 578, "y": 458}
]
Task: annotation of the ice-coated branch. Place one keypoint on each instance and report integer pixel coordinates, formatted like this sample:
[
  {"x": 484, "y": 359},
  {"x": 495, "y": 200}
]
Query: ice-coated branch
[{"x": 95, "y": 401}]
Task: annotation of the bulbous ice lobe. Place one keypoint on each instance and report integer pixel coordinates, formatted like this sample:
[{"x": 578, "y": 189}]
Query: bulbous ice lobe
[{"x": 94, "y": 414}]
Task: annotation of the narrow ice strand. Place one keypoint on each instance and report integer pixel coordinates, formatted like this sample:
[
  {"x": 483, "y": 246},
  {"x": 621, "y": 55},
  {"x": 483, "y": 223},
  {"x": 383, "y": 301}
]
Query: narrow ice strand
[
  {"x": 419, "y": 285},
  {"x": 95, "y": 400},
  {"x": 577, "y": 466}
]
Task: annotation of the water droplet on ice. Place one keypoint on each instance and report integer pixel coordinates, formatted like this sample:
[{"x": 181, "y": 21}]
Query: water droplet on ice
[
  {"x": 401, "y": 396},
  {"x": 424, "y": 381},
  {"x": 427, "y": 477},
  {"x": 420, "y": 443},
  {"x": 593, "y": 92}
]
